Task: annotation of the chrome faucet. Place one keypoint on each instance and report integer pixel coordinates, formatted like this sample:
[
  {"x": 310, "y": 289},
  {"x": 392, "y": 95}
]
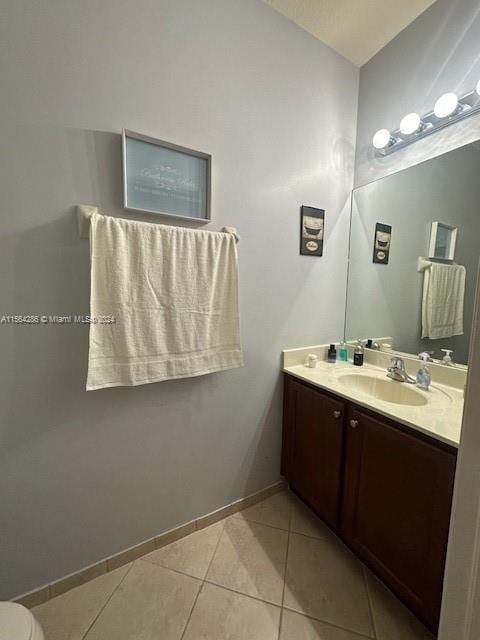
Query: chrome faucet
[{"x": 396, "y": 371}]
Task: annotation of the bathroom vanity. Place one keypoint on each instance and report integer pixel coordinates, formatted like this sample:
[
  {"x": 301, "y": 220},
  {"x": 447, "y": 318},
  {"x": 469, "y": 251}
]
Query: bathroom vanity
[
  {"x": 375, "y": 457},
  {"x": 378, "y": 470}
]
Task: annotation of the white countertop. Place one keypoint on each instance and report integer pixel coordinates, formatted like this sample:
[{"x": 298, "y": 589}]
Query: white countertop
[{"x": 440, "y": 417}]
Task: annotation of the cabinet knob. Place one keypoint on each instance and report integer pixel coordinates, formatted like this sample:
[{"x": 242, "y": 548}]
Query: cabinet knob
[
  {"x": 337, "y": 414},
  {"x": 354, "y": 424}
]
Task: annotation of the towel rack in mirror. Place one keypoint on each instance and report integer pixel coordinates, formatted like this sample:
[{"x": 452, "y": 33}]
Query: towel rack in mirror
[{"x": 423, "y": 264}]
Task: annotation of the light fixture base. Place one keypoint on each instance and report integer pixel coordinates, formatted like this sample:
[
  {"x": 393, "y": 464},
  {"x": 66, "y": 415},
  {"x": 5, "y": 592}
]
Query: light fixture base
[{"x": 468, "y": 105}]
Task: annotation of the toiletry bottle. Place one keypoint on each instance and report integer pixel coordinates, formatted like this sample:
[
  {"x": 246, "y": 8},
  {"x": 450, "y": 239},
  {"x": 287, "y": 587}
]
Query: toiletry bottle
[
  {"x": 343, "y": 352},
  {"x": 447, "y": 358},
  {"x": 312, "y": 360},
  {"x": 358, "y": 355},
  {"x": 423, "y": 378},
  {"x": 332, "y": 353}
]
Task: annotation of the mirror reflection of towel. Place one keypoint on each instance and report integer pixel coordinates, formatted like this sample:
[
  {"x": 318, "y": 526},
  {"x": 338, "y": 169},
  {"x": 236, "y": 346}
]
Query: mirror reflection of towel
[{"x": 442, "y": 304}]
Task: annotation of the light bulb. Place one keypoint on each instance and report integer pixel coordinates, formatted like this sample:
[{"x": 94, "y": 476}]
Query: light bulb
[
  {"x": 410, "y": 124},
  {"x": 382, "y": 139},
  {"x": 446, "y": 105}
]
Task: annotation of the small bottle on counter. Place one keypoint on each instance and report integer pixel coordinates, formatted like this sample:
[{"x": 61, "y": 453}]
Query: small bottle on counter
[
  {"x": 312, "y": 360},
  {"x": 343, "y": 352},
  {"x": 424, "y": 378},
  {"x": 332, "y": 354},
  {"x": 358, "y": 355}
]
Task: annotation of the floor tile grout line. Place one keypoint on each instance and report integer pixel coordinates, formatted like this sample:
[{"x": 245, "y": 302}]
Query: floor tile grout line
[
  {"x": 258, "y": 522},
  {"x": 290, "y": 516},
  {"x": 284, "y": 582},
  {"x": 328, "y": 623},
  {"x": 289, "y": 530},
  {"x": 203, "y": 580},
  {"x": 233, "y": 590},
  {"x": 321, "y": 537},
  {"x": 370, "y": 606},
  {"x": 102, "y": 609},
  {"x": 280, "y": 624},
  {"x": 191, "y": 610},
  {"x": 242, "y": 593},
  {"x": 370, "y": 602},
  {"x": 285, "y": 570},
  {"x": 238, "y": 514},
  {"x": 265, "y": 524},
  {"x": 307, "y": 535},
  {"x": 184, "y": 573},
  {"x": 163, "y": 566},
  {"x": 224, "y": 521}
]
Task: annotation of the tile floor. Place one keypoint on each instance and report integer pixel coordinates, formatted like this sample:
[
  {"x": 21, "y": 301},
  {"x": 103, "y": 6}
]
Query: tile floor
[{"x": 270, "y": 572}]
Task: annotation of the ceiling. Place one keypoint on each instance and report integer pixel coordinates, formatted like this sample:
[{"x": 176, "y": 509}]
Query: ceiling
[{"x": 357, "y": 29}]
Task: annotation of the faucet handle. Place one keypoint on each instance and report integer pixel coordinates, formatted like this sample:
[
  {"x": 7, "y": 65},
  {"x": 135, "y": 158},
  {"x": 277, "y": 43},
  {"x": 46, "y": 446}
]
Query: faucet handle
[
  {"x": 396, "y": 366},
  {"x": 426, "y": 356}
]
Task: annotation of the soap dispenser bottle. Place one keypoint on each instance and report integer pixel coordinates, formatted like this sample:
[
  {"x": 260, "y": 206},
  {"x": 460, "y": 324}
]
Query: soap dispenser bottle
[
  {"x": 447, "y": 358},
  {"x": 423, "y": 377},
  {"x": 358, "y": 355}
]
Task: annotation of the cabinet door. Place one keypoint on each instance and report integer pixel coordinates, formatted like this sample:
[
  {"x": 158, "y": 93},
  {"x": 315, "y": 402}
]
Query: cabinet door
[
  {"x": 318, "y": 448},
  {"x": 396, "y": 509}
]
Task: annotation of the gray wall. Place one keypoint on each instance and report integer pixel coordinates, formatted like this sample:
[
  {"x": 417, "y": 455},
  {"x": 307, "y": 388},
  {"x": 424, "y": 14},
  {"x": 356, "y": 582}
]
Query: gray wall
[
  {"x": 385, "y": 300},
  {"x": 84, "y": 475},
  {"x": 438, "y": 52}
]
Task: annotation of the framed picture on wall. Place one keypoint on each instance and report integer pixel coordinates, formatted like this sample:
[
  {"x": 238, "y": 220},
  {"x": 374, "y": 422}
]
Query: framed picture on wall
[
  {"x": 382, "y": 242},
  {"x": 312, "y": 231},
  {"x": 165, "y": 179},
  {"x": 443, "y": 239}
]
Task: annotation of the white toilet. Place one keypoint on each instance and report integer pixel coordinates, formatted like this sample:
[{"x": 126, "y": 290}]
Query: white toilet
[{"x": 18, "y": 623}]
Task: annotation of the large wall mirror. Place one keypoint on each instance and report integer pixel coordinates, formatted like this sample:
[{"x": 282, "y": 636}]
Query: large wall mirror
[{"x": 414, "y": 254}]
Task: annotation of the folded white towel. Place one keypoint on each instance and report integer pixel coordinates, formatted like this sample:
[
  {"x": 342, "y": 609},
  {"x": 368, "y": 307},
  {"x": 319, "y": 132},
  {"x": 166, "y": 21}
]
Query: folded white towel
[
  {"x": 443, "y": 297},
  {"x": 173, "y": 292}
]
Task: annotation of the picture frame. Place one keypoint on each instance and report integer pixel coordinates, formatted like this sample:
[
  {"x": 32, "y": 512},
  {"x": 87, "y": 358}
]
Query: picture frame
[
  {"x": 382, "y": 243},
  {"x": 165, "y": 179},
  {"x": 443, "y": 240},
  {"x": 312, "y": 231}
]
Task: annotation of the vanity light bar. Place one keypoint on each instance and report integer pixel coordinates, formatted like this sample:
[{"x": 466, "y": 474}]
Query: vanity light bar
[{"x": 448, "y": 109}]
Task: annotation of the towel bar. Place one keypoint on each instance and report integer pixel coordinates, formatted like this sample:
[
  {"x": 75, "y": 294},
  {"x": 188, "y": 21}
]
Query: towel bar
[
  {"x": 423, "y": 264},
  {"x": 85, "y": 212}
]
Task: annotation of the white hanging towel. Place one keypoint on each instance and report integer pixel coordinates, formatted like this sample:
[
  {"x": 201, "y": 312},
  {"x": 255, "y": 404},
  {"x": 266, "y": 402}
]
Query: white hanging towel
[
  {"x": 442, "y": 305},
  {"x": 174, "y": 295}
]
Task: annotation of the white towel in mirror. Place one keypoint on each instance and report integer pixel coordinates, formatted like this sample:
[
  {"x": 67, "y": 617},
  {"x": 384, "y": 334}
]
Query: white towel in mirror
[{"x": 443, "y": 298}]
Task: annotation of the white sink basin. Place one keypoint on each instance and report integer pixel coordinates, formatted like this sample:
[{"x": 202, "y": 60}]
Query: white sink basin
[{"x": 384, "y": 389}]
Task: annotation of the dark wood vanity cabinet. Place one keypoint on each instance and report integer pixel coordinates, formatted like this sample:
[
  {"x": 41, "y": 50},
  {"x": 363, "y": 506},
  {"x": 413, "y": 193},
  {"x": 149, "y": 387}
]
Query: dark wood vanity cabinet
[
  {"x": 315, "y": 470},
  {"x": 396, "y": 508},
  {"x": 384, "y": 488}
]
